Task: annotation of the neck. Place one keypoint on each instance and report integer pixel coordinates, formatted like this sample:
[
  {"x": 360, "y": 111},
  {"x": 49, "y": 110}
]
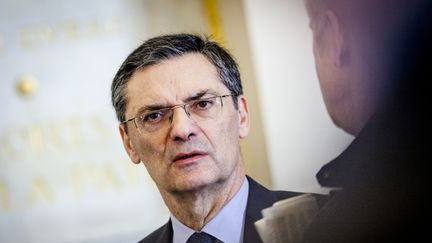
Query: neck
[{"x": 196, "y": 208}]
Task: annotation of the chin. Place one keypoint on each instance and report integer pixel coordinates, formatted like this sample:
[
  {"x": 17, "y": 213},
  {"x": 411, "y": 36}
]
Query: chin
[
  {"x": 193, "y": 183},
  {"x": 348, "y": 128},
  {"x": 196, "y": 182},
  {"x": 334, "y": 118}
]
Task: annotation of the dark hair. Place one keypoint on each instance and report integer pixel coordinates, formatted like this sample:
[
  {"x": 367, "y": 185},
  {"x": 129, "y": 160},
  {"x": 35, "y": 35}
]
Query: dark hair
[{"x": 158, "y": 49}]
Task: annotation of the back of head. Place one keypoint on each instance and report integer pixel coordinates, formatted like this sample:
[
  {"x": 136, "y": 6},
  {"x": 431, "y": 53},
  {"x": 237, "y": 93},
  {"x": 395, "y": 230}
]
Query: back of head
[
  {"x": 375, "y": 36},
  {"x": 384, "y": 31}
]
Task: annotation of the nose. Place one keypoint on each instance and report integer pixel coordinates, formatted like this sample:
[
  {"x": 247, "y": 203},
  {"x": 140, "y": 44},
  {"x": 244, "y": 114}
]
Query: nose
[{"x": 183, "y": 128}]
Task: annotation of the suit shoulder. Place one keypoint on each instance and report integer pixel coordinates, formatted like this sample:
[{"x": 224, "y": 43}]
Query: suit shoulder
[
  {"x": 163, "y": 234},
  {"x": 286, "y": 194}
]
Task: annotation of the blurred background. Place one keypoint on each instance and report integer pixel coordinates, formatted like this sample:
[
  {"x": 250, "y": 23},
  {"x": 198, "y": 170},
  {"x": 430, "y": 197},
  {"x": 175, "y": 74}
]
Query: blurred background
[{"x": 64, "y": 176}]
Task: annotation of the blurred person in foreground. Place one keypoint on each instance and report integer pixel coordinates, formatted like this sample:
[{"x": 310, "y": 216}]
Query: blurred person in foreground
[
  {"x": 182, "y": 113},
  {"x": 373, "y": 60}
]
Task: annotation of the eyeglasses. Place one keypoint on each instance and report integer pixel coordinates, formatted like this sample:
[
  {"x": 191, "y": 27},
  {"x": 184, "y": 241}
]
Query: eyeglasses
[{"x": 197, "y": 110}]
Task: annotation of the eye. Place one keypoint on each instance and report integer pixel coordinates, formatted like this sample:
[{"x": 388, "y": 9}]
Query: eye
[
  {"x": 203, "y": 104},
  {"x": 153, "y": 117}
]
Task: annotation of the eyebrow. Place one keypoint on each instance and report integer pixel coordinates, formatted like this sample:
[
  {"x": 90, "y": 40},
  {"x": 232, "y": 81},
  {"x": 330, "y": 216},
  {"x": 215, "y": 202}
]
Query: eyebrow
[
  {"x": 156, "y": 106},
  {"x": 199, "y": 95}
]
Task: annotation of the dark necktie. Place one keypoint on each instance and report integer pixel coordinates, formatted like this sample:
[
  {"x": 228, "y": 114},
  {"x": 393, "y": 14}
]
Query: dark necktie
[{"x": 201, "y": 237}]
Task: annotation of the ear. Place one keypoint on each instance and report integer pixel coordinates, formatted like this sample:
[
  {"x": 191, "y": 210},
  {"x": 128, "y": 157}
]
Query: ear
[
  {"x": 128, "y": 145},
  {"x": 330, "y": 39},
  {"x": 244, "y": 118}
]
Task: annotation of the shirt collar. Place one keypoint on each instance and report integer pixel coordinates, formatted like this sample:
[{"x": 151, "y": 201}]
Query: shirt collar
[{"x": 227, "y": 225}]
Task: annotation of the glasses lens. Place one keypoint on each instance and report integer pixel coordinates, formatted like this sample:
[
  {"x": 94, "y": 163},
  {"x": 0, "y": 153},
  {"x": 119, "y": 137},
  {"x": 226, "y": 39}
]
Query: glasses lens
[
  {"x": 204, "y": 109},
  {"x": 153, "y": 120},
  {"x": 199, "y": 110}
]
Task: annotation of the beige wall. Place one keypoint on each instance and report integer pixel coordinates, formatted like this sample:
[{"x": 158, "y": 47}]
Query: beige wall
[{"x": 254, "y": 147}]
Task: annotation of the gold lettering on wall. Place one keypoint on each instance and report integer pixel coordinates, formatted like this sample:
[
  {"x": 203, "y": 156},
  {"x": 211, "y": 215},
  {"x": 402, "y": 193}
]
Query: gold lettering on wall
[
  {"x": 83, "y": 181},
  {"x": 13, "y": 143},
  {"x": 94, "y": 178},
  {"x": 36, "y": 141},
  {"x": 39, "y": 139},
  {"x": 112, "y": 178},
  {"x": 92, "y": 28},
  {"x": 70, "y": 30},
  {"x": 47, "y": 34},
  {"x": 40, "y": 191},
  {"x": 73, "y": 150},
  {"x": 31, "y": 36},
  {"x": 6, "y": 149},
  {"x": 112, "y": 25},
  {"x": 100, "y": 127},
  {"x": 76, "y": 182},
  {"x": 131, "y": 173},
  {"x": 25, "y": 38},
  {"x": 53, "y": 137},
  {"x": 73, "y": 131}
]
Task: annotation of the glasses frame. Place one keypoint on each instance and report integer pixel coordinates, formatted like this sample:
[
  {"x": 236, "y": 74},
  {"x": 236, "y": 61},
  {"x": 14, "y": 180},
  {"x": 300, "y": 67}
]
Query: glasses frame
[{"x": 177, "y": 106}]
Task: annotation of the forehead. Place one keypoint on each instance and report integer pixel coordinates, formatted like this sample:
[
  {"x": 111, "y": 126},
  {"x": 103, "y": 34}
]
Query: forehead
[{"x": 172, "y": 81}]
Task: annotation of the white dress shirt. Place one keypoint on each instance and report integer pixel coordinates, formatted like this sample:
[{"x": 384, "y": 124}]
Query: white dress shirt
[{"x": 227, "y": 225}]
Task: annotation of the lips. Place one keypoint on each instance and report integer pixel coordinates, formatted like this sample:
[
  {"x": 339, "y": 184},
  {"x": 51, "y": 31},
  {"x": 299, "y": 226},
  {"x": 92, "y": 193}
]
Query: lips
[{"x": 188, "y": 156}]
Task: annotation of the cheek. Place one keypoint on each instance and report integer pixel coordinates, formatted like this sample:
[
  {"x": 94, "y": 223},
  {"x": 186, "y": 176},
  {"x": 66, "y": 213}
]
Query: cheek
[
  {"x": 328, "y": 96},
  {"x": 320, "y": 68},
  {"x": 325, "y": 81},
  {"x": 325, "y": 89},
  {"x": 227, "y": 136},
  {"x": 314, "y": 50},
  {"x": 151, "y": 152}
]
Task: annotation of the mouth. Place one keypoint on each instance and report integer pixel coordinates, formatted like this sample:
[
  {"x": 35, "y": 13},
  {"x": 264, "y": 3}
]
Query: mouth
[{"x": 188, "y": 157}]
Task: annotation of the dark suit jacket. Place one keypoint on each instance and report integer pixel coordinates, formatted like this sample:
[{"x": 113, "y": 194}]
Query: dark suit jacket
[
  {"x": 383, "y": 177},
  {"x": 258, "y": 199}
]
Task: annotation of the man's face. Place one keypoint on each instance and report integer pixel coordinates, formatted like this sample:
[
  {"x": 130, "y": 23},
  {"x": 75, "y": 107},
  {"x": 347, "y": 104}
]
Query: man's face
[{"x": 187, "y": 155}]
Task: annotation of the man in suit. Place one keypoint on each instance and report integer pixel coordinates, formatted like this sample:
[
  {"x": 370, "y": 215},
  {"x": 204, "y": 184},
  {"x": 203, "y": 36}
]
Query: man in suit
[
  {"x": 182, "y": 113},
  {"x": 373, "y": 62}
]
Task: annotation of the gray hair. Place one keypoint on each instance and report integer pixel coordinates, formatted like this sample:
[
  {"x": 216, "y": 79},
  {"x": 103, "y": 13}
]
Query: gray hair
[{"x": 158, "y": 49}]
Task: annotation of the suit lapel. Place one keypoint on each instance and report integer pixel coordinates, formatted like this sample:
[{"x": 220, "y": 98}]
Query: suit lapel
[
  {"x": 166, "y": 235},
  {"x": 258, "y": 199}
]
